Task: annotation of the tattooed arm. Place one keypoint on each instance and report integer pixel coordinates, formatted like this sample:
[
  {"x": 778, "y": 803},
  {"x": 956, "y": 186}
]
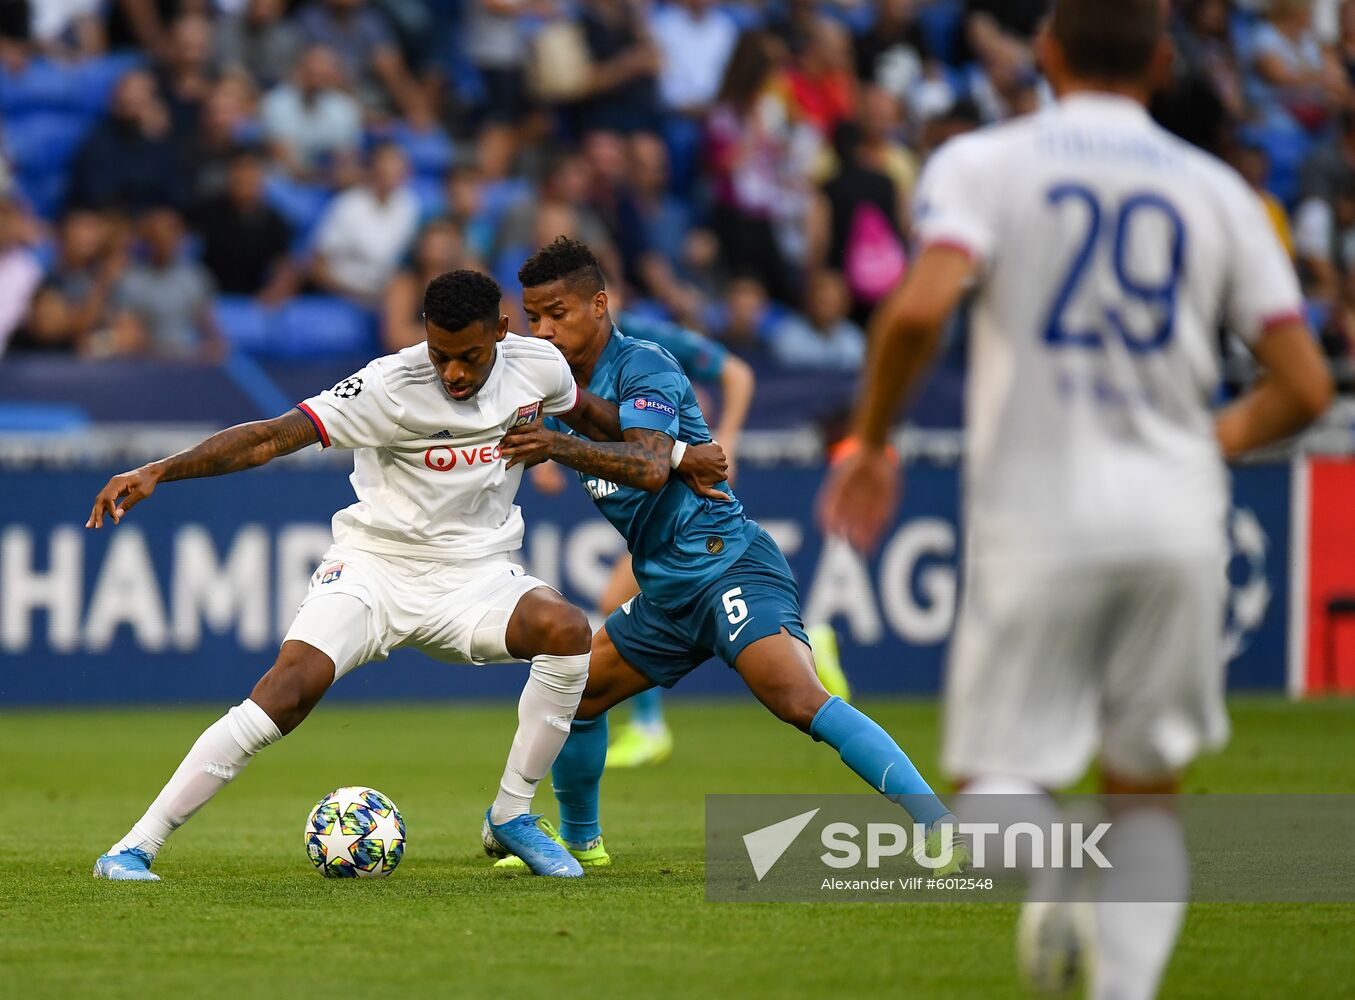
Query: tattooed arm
[
  {"x": 243, "y": 446},
  {"x": 641, "y": 459}
]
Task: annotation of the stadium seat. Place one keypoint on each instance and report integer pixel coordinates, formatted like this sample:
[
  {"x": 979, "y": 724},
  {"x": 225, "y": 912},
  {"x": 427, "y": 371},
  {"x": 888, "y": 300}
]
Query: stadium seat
[
  {"x": 467, "y": 82},
  {"x": 429, "y": 152},
  {"x": 311, "y": 326},
  {"x": 683, "y": 137},
  {"x": 44, "y": 85},
  {"x": 98, "y": 77},
  {"x": 498, "y": 197},
  {"x": 649, "y": 309},
  {"x": 41, "y": 86},
  {"x": 771, "y": 316},
  {"x": 432, "y": 200},
  {"x": 747, "y": 16},
  {"x": 301, "y": 205},
  {"x": 942, "y": 22},
  {"x": 317, "y": 325},
  {"x": 42, "y": 141},
  {"x": 1242, "y": 26},
  {"x": 858, "y": 18},
  {"x": 45, "y": 191},
  {"x": 244, "y": 323},
  {"x": 1286, "y": 146},
  {"x": 959, "y": 80}
]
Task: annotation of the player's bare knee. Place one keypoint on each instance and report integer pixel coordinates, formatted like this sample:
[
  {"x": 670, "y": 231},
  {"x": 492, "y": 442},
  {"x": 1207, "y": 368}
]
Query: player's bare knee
[
  {"x": 567, "y": 633},
  {"x": 545, "y": 623},
  {"x": 795, "y": 706},
  {"x": 280, "y": 699}
]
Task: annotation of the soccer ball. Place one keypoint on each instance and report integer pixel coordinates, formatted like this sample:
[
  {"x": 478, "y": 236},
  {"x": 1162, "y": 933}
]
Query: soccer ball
[{"x": 355, "y": 832}]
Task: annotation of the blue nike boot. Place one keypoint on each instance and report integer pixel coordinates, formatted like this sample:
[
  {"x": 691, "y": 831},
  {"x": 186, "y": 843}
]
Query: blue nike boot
[
  {"x": 131, "y": 865},
  {"x": 521, "y": 836}
]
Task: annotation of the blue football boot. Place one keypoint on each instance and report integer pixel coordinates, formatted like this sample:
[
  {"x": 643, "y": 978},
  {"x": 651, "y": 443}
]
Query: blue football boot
[
  {"x": 521, "y": 836},
  {"x": 131, "y": 865}
]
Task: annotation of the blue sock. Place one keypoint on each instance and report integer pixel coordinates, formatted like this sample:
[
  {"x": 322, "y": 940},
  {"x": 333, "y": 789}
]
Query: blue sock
[
  {"x": 872, "y": 753},
  {"x": 647, "y": 708},
  {"x": 576, "y": 776}
]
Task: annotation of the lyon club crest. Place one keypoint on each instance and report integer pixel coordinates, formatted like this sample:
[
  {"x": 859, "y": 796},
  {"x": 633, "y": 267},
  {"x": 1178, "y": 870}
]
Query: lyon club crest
[{"x": 526, "y": 414}]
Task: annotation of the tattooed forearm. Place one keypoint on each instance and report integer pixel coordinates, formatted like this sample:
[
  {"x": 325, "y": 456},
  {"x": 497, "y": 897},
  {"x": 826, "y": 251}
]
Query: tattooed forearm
[
  {"x": 243, "y": 446},
  {"x": 641, "y": 460}
]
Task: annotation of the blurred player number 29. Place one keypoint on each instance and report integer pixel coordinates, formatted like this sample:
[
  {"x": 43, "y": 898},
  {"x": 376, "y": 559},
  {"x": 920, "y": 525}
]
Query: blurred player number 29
[{"x": 1160, "y": 296}]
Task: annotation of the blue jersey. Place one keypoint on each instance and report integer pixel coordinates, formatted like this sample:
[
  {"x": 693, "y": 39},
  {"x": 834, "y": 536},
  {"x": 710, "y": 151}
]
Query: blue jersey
[
  {"x": 679, "y": 542},
  {"x": 700, "y": 357}
]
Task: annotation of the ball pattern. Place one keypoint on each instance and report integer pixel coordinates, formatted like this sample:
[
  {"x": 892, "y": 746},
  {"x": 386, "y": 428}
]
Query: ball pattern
[{"x": 355, "y": 832}]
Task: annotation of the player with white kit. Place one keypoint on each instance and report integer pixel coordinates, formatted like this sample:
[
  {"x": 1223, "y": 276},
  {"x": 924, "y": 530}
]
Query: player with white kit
[
  {"x": 421, "y": 560},
  {"x": 1102, "y": 254}
]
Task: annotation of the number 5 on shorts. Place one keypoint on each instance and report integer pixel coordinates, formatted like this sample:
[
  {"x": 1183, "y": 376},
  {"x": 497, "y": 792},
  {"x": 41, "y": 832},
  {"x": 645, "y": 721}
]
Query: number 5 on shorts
[{"x": 735, "y": 609}]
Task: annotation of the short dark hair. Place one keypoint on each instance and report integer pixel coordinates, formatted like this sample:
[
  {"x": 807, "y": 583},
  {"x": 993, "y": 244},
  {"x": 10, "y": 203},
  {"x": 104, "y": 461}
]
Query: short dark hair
[
  {"x": 567, "y": 260},
  {"x": 455, "y": 300},
  {"x": 1108, "y": 40}
]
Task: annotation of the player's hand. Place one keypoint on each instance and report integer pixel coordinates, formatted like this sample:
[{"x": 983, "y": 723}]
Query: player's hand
[
  {"x": 702, "y": 467},
  {"x": 549, "y": 478},
  {"x": 527, "y": 444},
  {"x": 130, "y": 488},
  {"x": 731, "y": 446},
  {"x": 860, "y": 496}
]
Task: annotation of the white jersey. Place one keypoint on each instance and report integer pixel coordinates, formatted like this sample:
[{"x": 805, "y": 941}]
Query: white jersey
[
  {"x": 1109, "y": 252},
  {"x": 427, "y": 472}
]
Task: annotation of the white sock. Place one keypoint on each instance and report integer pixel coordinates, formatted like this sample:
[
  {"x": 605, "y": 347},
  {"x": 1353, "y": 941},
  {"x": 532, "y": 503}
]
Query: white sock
[
  {"x": 547, "y": 706},
  {"x": 1134, "y": 940},
  {"x": 220, "y": 753}
]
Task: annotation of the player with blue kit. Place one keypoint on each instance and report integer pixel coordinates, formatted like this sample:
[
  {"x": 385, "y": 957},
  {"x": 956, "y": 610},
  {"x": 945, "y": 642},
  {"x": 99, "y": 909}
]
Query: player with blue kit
[
  {"x": 647, "y": 739},
  {"x": 713, "y": 583}
]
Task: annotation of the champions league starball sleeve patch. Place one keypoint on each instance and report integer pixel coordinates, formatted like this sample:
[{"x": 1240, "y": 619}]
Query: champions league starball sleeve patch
[{"x": 349, "y": 387}]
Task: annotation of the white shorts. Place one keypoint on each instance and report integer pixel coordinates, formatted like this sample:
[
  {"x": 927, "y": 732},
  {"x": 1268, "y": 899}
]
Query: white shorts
[
  {"x": 1053, "y": 664},
  {"x": 360, "y": 606}
]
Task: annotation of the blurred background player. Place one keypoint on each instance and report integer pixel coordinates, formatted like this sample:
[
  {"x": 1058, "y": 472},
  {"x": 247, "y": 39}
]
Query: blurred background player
[
  {"x": 1096, "y": 488},
  {"x": 712, "y": 581},
  {"x": 646, "y": 739}
]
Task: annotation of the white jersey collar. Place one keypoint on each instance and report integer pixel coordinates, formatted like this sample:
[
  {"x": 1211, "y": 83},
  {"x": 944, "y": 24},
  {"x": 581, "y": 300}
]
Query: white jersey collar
[{"x": 1102, "y": 104}]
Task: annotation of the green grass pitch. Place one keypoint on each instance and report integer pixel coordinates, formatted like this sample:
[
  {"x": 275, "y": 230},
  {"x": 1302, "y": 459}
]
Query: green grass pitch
[{"x": 242, "y": 913}]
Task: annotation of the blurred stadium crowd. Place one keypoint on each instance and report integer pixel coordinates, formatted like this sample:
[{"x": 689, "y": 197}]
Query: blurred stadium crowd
[{"x": 182, "y": 178}]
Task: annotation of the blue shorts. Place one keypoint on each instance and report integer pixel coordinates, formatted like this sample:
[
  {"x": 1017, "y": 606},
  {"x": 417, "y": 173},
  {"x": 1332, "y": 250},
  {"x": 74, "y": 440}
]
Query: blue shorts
[{"x": 755, "y": 597}]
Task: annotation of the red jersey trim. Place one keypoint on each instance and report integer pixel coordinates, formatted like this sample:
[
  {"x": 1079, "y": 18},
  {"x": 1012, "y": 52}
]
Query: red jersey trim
[
  {"x": 1276, "y": 320},
  {"x": 319, "y": 424},
  {"x": 578, "y": 398}
]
